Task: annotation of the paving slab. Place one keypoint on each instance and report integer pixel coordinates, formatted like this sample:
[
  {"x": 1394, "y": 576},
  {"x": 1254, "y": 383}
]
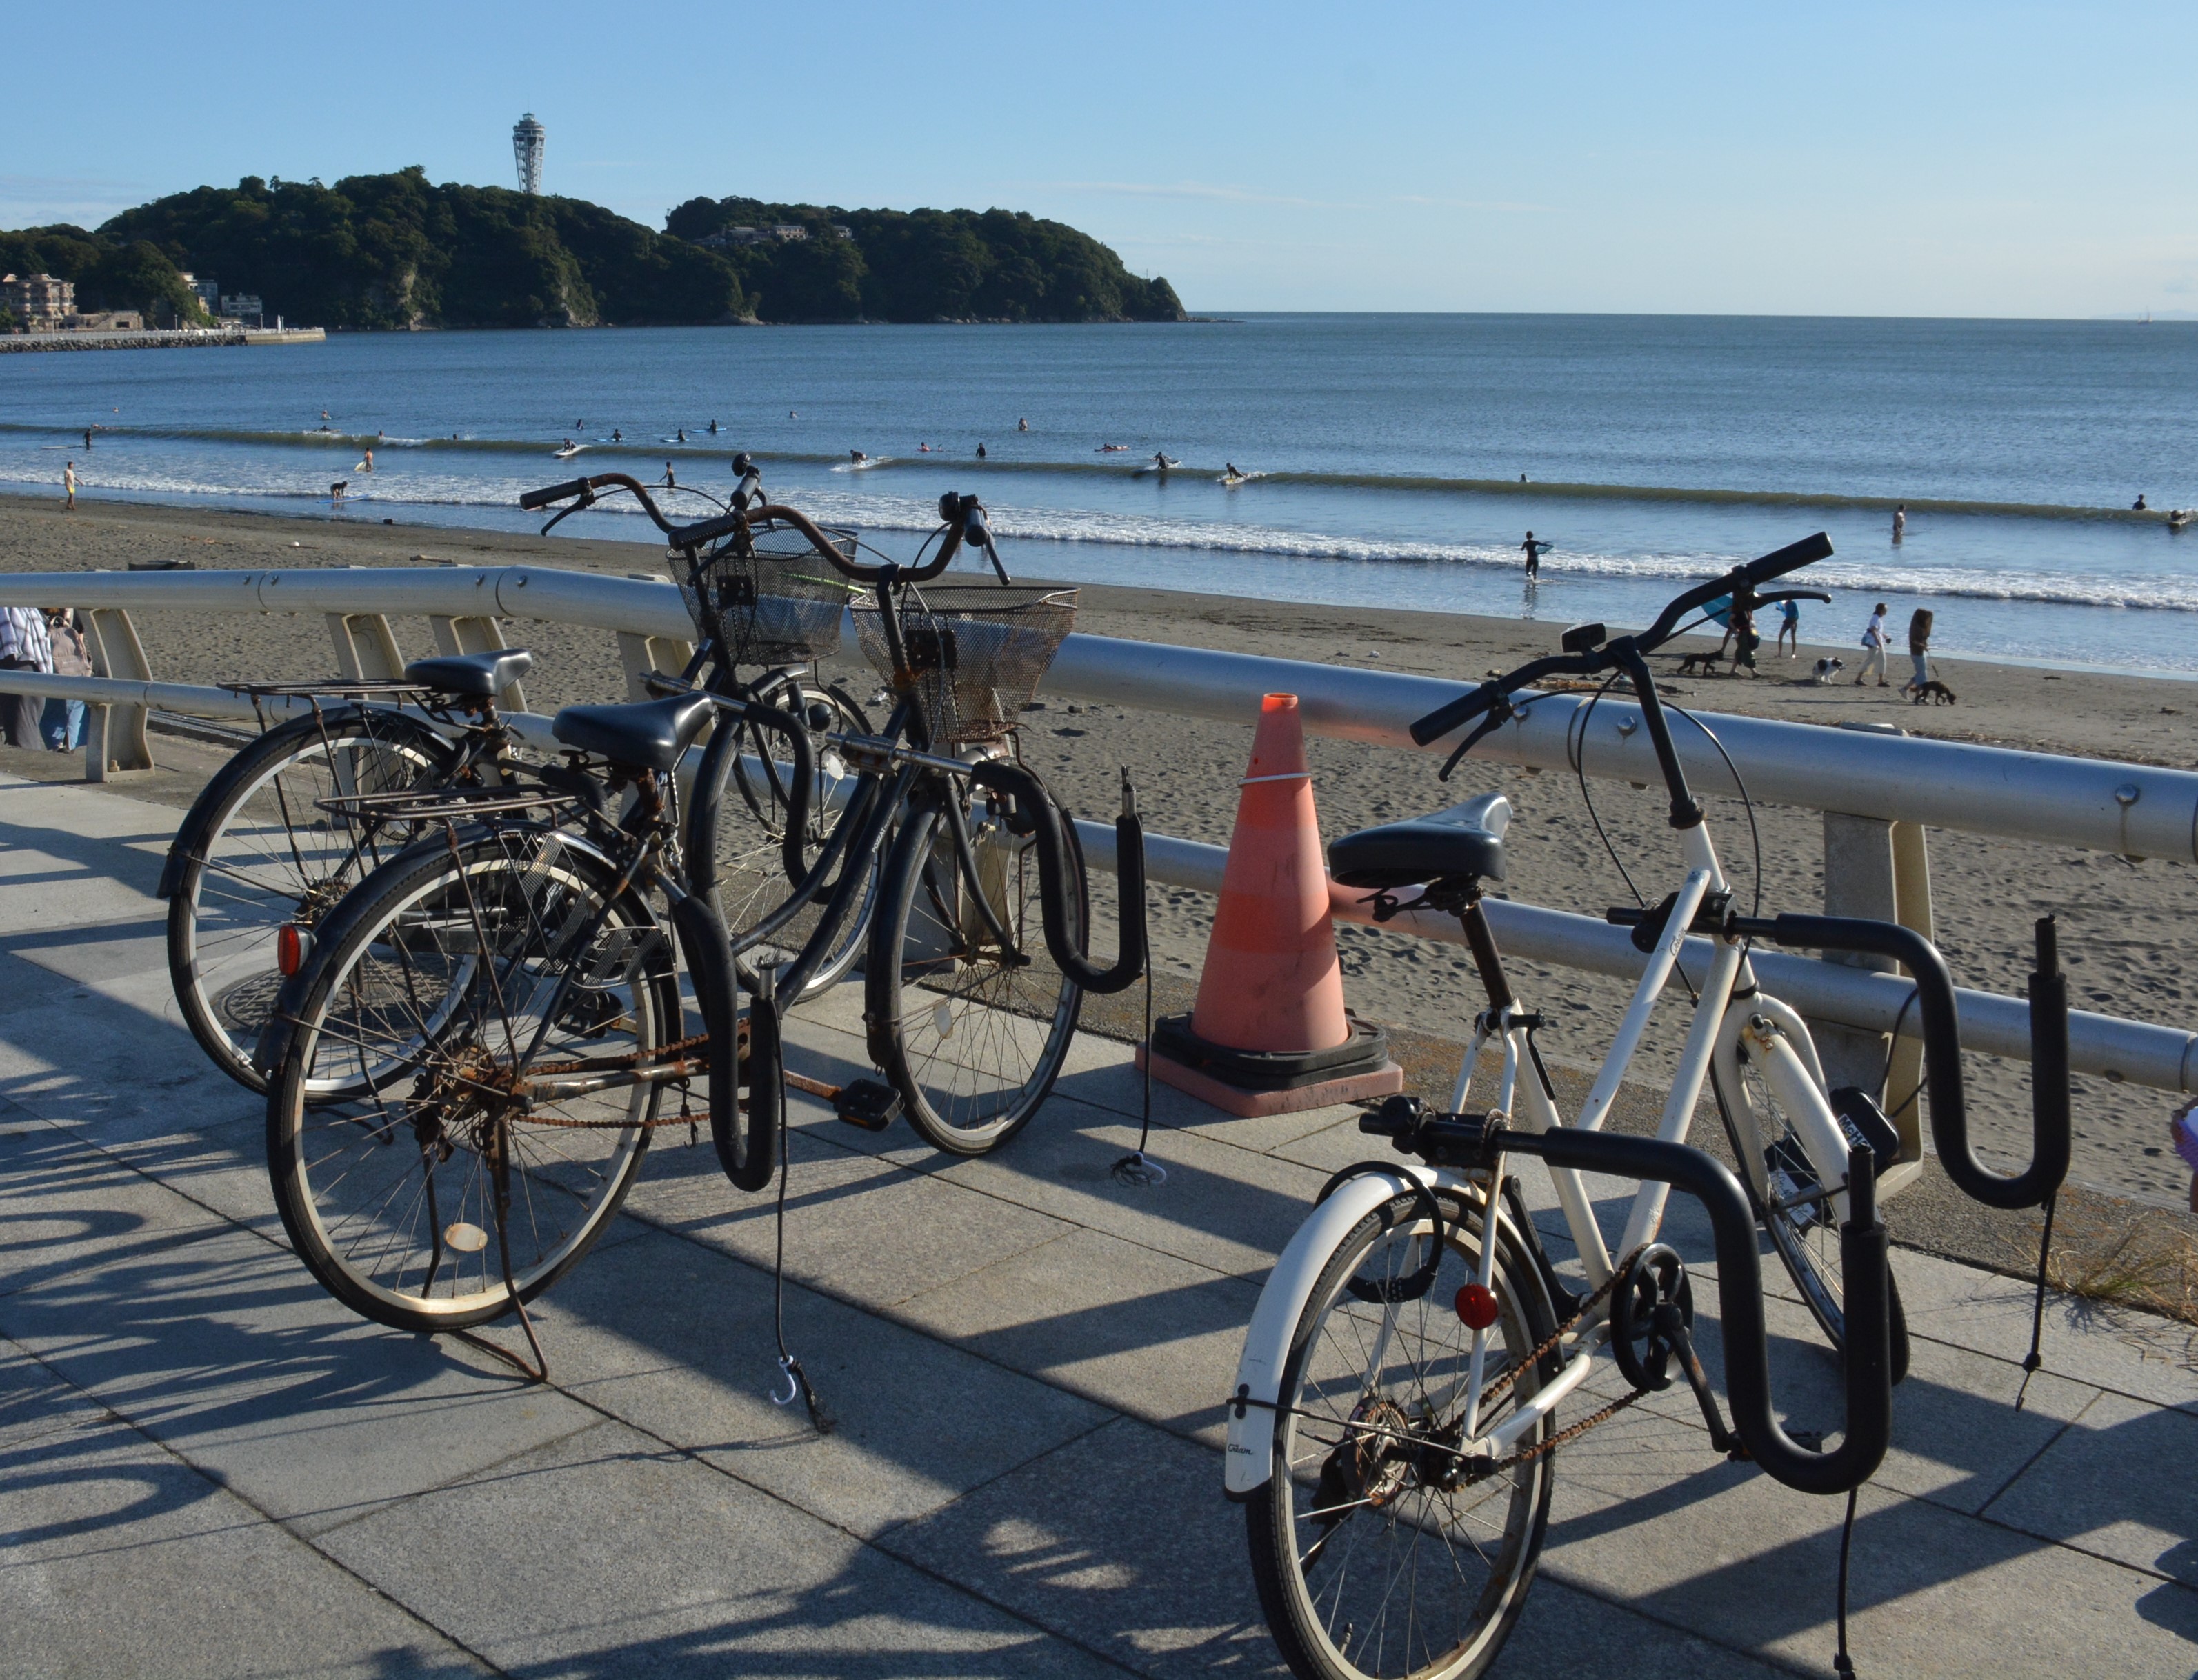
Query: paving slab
[
  {"x": 677, "y": 1340},
  {"x": 64, "y": 1205},
  {"x": 118, "y": 1558},
  {"x": 2121, "y": 1481},
  {"x": 605, "y": 1554},
  {"x": 223, "y": 1349}
]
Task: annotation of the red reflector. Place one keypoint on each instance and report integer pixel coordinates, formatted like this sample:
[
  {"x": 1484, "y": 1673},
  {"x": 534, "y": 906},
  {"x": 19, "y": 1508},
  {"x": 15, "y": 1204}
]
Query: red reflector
[
  {"x": 290, "y": 954},
  {"x": 1476, "y": 1305}
]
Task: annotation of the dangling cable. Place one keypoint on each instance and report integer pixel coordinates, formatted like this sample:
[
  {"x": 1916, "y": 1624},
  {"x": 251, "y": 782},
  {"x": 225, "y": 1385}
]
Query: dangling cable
[
  {"x": 1138, "y": 1169},
  {"x": 797, "y": 1380},
  {"x": 1842, "y": 1662},
  {"x": 2033, "y": 1360}
]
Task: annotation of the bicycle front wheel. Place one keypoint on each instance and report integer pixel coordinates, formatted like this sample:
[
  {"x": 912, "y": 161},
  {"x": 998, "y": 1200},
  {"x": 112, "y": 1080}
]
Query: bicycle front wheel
[
  {"x": 1798, "y": 1211},
  {"x": 257, "y": 852},
  {"x": 502, "y": 1013},
  {"x": 741, "y": 818},
  {"x": 1376, "y": 1556},
  {"x": 973, "y": 1035}
]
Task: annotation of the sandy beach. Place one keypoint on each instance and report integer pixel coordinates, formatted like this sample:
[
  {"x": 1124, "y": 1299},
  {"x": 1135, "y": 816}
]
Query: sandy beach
[{"x": 2122, "y": 922}]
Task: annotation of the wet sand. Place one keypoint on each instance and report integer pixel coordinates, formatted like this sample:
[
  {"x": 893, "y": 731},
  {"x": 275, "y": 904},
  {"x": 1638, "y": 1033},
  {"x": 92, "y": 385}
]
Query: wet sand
[{"x": 2123, "y": 923}]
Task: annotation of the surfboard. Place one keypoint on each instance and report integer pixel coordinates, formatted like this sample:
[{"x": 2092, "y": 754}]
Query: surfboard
[
  {"x": 566, "y": 453},
  {"x": 864, "y": 466},
  {"x": 1241, "y": 478}
]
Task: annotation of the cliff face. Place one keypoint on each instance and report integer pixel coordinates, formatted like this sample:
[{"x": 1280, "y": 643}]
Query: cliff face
[{"x": 923, "y": 266}]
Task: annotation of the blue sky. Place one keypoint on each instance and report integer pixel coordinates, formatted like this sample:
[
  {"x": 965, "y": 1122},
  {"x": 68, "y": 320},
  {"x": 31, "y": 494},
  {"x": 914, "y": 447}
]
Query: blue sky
[{"x": 1930, "y": 159}]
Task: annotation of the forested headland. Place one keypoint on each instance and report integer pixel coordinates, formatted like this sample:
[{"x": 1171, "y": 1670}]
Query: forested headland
[{"x": 398, "y": 251}]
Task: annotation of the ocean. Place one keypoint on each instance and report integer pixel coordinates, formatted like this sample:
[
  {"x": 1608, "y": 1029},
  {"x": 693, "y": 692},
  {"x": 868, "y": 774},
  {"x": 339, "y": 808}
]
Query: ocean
[{"x": 1399, "y": 460}]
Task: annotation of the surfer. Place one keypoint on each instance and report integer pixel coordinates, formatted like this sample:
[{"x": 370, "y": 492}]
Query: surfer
[
  {"x": 87, "y": 443},
  {"x": 858, "y": 457},
  {"x": 1022, "y": 426},
  {"x": 1534, "y": 551},
  {"x": 670, "y": 483},
  {"x": 980, "y": 451},
  {"x": 1899, "y": 521},
  {"x": 567, "y": 445},
  {"x": 713, "y": 428},
  {"x": 680, "y": 437},
  {"x": 617, "y": 436},
  {"x": 336, "y": 491},
  {"x": 2136, "y": 507},
  {"x": 1229, "y": 470}
]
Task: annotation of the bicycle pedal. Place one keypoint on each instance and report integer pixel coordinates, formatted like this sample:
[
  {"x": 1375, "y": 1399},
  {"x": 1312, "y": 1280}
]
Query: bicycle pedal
[{"x": 867, "y": 1104}]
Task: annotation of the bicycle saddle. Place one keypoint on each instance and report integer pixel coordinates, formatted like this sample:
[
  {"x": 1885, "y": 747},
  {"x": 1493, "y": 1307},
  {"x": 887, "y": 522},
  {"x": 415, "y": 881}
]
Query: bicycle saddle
[
  {"x": 1467, "y": 840},
  {"x": 647, "y": 735},
  {"x": 473, "y": 675}
]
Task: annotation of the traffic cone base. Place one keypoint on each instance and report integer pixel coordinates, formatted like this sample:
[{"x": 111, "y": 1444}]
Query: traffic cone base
[{"x": 1251, "y": 1084}]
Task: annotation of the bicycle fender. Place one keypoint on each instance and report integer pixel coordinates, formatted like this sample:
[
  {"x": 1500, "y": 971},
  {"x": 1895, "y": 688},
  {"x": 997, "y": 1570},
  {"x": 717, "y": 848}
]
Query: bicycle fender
[{"x": 1247, "y": 1460}]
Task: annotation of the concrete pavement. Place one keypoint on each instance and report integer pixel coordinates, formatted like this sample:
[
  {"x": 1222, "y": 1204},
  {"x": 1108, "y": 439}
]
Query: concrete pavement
[{"x": 207, "y": 1467}]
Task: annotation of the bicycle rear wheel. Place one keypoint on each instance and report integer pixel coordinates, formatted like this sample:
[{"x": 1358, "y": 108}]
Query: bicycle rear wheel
[
  {"x": 971, "y": 1037},
  {"x": 257, "y": 852},
  {"x": 1373, "y": 1559},
  {"x": 741, "y": 817},
  {"x": 450, "y": 989},
  {"x": 1796, "y": 1210}
]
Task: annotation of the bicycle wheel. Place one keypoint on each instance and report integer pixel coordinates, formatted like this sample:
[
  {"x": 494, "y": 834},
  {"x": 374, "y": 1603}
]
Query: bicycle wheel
[
  {"x": 1373, "y": 1557},
  {"x": 741, "y": 817},
  {"x": 972, "y": 1038},
  {"x": 257, "y": 852},
  {"x": 446, "y": 992},
  {"x": 1795, "y": 1209}
]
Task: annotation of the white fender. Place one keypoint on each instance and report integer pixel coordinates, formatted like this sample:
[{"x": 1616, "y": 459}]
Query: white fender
[{"x": 1247, "y": 1460}]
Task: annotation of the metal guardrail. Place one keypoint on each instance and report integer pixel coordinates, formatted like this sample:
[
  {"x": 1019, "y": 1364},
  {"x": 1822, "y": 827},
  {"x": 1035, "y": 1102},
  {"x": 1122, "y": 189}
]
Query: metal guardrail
[{"x": 2099, "y": 804}]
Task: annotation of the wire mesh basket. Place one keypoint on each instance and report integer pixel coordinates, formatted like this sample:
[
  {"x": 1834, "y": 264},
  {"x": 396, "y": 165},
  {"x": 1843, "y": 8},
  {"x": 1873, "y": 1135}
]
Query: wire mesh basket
[
  {"x": 978, "y": 650},
  {"x": 779, "y": 604}
]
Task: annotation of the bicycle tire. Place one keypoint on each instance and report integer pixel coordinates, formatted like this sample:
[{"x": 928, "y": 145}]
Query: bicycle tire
[
  {"x": 739, "y": 824},
  {"x": 389, "y": 1197},
  {"x": 1329, "y": 1609},
  {"x": 257, "y": 852},
  {"x": 1776, "y": 1168},
  {"x": 972, "y": 1043}
]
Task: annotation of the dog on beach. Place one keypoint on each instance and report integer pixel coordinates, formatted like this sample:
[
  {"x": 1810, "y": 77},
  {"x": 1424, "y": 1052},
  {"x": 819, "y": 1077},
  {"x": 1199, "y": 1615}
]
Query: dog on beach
[
  {"x": 1827, "y": 669},
  {"x": 1935, "y": 692},
  {"x": 1697, "y": 664}
]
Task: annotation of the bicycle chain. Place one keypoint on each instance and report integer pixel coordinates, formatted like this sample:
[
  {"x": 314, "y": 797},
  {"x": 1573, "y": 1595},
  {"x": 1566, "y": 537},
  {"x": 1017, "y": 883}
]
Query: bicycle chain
[{"x": 1572, "y": 1432}]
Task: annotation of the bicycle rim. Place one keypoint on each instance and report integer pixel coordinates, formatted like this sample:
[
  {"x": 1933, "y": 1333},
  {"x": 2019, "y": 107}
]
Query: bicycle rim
[
  {"x": 267, "y": 854},
  {"x": 1367, "y": 1566},
  {"x": 975, "y": 1039},
  {"x": 748, "y": 831},
  {"x": 451, "y": 981}
]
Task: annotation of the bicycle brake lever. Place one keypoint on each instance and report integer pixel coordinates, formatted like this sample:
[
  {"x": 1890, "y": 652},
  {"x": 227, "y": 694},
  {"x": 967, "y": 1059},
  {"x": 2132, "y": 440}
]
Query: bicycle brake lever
[
  {"x": 1498, "y": 715},
  {"x": 587, "y": 499}
]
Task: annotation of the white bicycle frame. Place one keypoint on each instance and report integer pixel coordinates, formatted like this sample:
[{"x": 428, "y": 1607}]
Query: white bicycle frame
[{"x": 1729, "y": 1012}]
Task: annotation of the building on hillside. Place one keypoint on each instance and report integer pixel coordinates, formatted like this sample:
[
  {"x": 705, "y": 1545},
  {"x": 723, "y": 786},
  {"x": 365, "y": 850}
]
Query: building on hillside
[
  {"x": 843, "y": 230},
  {"x": 729, "y": 239},
  {"x": 786, "y": 230},
  {"x": 208, "y": 293},
  {"x": 39, "y": 301},
  {"x": 239, "y": 306}
]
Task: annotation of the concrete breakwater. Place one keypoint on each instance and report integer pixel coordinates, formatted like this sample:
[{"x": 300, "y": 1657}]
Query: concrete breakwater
[{"x": 182, "y": 338}]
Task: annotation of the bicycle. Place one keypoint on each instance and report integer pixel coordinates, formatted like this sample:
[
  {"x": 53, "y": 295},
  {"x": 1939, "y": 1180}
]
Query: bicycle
[
  {"x": 936, "y": 868},
  {"x": 498, "y": 1006},
  {"x": 1403, "y": 1365}
]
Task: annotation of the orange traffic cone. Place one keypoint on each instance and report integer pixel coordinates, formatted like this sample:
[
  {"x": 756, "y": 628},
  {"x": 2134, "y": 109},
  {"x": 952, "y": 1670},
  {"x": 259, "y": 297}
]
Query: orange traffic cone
[{"x": 1269, "y": 1034}]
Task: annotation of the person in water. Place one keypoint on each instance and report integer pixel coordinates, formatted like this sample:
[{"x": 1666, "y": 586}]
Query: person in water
[
  {"x": 2136, "y": 507},
  {"x": 980, "y": 451},
  {"x": 681, "y": 435},
  {"x": 87, "y": 438},
  {"x": 713, "y": 428},
  {"x": 1161, "y": 459},
  {"x": 617, "y": 436},
  {"x": 1022, "y": 426},
  {"x": 1229, "y": 470},
  {"x": 368, "y": 466},
  {"x": 856, "y": 457},
  {"x": 1899, "y": 521},
  {"x": 670, "y": 483},
  {"x": 1534, "y": 551}
]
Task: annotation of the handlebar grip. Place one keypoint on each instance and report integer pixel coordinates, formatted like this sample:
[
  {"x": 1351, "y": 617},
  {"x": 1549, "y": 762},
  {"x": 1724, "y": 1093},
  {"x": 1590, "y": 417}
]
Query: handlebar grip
[
  {"x": 1448, "y": 715},
  {"x": 1791, "y": 558},
  {"x": 533, "y": 499}
]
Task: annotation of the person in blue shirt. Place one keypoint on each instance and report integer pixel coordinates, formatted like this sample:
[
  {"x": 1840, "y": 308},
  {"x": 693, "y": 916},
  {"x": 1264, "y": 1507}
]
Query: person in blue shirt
[{"x": 1790, "y": 624}]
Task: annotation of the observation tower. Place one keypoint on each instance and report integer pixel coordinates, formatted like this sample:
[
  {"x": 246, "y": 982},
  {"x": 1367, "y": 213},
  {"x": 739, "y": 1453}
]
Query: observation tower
[{"x": 527, "y": 139}]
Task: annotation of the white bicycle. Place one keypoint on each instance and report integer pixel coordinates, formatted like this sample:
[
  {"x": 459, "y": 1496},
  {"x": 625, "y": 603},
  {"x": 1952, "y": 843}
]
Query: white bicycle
[{"x": 1394, "y": 1427}]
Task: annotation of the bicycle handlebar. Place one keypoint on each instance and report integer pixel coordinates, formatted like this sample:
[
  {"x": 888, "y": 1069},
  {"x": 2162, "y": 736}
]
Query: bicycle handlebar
[{"x": 1740, "y": 583}]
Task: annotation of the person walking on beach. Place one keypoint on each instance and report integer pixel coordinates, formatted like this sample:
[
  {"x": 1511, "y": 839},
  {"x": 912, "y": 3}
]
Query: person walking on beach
[
  {"x": 1919, "y": 651},
  {"x": 1534, "y": 552},
  {"x": 1873, "y": 642},
  {"x": 68, "y": 487},
  {"x": 1899, "y": 521},
  {"x": 1789, "y": 625},
  {"x": 1745, "y": 640},
  {"x": 23, "y": 646}
]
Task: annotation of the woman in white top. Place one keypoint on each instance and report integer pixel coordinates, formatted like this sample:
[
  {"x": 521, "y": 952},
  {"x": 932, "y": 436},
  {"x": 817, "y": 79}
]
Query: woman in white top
[{"x": 1873, "y": 642}]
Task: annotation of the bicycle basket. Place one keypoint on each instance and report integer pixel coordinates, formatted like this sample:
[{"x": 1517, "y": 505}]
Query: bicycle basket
[
  {"x": 780, "y": 603},
  {"x": 978, "y": 651}
]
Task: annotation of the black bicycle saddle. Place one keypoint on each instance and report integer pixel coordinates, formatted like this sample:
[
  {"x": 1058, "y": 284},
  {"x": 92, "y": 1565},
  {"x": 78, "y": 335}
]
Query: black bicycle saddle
[
  {"x": 472, "y": 676},
  {"x": 646, "y": 734},
  {"x": 1465, "y": 841}
]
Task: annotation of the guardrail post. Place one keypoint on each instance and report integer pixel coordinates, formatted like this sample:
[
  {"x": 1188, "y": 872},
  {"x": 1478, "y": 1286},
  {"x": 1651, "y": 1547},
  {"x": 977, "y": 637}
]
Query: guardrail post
[
  {"x": 476, "y": 635},
  {"x": 641, "y": 655},
  {"x": 1880, "y": 870},
  {"x": 365, "y": 649},
  {"x": 114, "y": 736}
]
